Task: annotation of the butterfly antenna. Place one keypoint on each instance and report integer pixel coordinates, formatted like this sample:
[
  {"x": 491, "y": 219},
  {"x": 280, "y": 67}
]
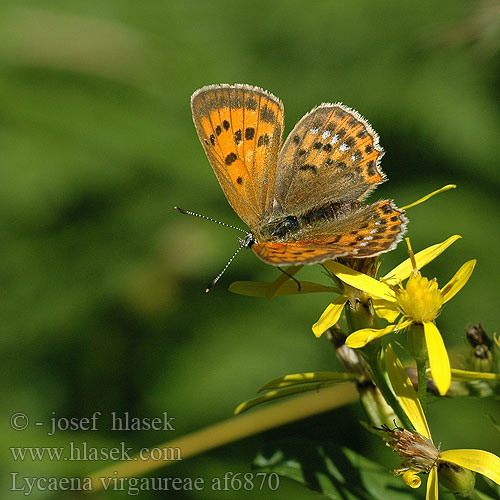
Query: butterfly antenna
[
  {"x": 214, "y": 281},
  {"x": 188, "y": 212}
]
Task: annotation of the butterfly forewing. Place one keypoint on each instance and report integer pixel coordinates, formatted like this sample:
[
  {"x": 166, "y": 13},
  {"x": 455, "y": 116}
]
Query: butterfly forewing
[
  {"x": 331, "y": 154},
  {"x": 364, "y": 232},
  {"x": 240, "y": 128}
]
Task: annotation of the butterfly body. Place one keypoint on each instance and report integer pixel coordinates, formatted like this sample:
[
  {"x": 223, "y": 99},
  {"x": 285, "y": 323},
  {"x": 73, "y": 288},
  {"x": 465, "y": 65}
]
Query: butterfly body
[
  {"x": 302, "y": 200},
  {"x": 291, "y": 227}
]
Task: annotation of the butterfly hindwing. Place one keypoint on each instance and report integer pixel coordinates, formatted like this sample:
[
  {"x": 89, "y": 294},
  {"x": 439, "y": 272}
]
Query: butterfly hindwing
[
  {"x": 331, "y": 154},
  {"x": 365, "y": 232},
  {"x": 240, "y": 128}
]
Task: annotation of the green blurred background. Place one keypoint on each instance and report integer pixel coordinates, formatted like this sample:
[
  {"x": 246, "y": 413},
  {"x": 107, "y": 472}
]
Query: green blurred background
[{"x": 103, "y": 282}]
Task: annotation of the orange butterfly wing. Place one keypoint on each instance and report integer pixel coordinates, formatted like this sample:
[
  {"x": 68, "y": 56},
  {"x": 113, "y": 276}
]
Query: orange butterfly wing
[
  {"x": 366, "y": 232},
  {"x": 240, "y": 128}
]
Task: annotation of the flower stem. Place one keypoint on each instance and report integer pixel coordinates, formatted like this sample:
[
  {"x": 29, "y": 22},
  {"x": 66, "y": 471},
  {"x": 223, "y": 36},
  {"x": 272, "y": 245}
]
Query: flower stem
[
  {"x": 422, "y": 382},
  {"x": 479, "y": 495},
  {"x": 373, "y": 358},
  {"x": 359, "y": 314},
  {"x": 418, "y": 349}
]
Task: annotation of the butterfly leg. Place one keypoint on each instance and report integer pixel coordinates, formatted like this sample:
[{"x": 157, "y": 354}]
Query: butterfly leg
[{"x": 291, "y": 277}]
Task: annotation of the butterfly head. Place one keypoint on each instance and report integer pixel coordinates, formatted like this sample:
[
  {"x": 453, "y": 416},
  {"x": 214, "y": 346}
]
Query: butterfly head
[{"x": 247, "y": 241}]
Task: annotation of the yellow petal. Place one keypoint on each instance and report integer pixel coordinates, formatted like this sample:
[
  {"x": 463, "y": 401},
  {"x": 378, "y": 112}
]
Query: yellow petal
[
  {"x": 360, "y": 281},
  {"x": 430, "y": 195},
  {"x": 432, "y": 485},
  {"x": 330, "y": 316},
  {"x": 361, "y": 337},
  {"x": 480, "y": 461},
  {"x": 458, "y": 281},
  {"x": 405, "y": 269},
  {"x": 262, "y": 289},
  {"x": 439, "y": 361},
  {"x": 405, "y": 392},
  {"x": 412, "y": 479},
  {"x": 466, "y": 376},
  {"x": 278, "y": 282},
  {"x": 306, "y": 378},
  {"x": 385, "y": 309}
]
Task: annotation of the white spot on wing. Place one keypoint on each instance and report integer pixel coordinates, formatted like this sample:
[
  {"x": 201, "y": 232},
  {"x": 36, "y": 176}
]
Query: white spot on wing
[
  {"x": 334, "y": 140},
  {"x": 343, "y": 147},
  {"x": 363, "y": 244},
  {"x": 373, "y": 231},
  {"x": 249, "y": 156},
  {"x": 314, "y": 130},
  {"x": 325, "y": 134}
]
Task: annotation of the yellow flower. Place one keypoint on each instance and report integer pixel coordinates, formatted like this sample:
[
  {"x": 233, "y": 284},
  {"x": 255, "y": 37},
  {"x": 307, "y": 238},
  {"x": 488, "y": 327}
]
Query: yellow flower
[
  {"x": 419, "y": 303},
  {"x": 382, "y": 296},
  {"x": 421, "y": 300},
  {"x": 417, "y": 448}
]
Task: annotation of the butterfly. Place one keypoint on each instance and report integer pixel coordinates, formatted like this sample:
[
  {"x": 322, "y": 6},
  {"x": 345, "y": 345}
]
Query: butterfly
[{"x": 301, "y": 200}]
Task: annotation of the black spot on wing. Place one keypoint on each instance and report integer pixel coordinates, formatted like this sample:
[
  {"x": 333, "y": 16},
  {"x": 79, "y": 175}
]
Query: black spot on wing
[
  {"x": 249, "y": 133},
  {"x": 237, "y": 136},
  {"x": 350, "y": 142},
  {"x": 310, "y": 167},
  {"x": 372, "y": 168},
  {"x": 387, "y": 209},
  {"x": 263, "y": 140},
  {"x": 230, "y": 158}
]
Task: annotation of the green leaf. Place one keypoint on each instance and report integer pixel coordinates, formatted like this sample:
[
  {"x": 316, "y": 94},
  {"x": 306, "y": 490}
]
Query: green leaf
[
  {"x": 336, "y": 472},
  {"x": 277, "y": 394},
  {"x": 307, "y": 378}
]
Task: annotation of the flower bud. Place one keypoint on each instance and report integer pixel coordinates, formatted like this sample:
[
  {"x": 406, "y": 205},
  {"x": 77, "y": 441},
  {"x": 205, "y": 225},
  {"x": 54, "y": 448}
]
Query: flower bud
[
  {"x": 481, "y": 359},
  {"x": 458, "y": 480}
]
